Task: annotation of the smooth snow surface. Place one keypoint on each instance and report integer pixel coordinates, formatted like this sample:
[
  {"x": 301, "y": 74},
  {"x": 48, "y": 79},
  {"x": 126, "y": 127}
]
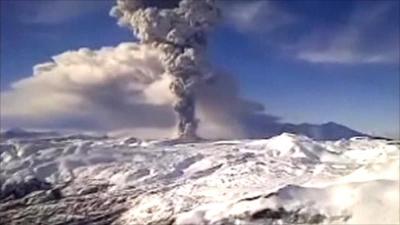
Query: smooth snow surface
[{"x": 352, "y": 181}]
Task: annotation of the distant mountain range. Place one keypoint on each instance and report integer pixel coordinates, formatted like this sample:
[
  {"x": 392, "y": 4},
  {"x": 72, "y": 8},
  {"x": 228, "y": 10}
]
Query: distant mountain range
[
  {"x": 326, "y": 131},
  {"x": 21, "y": 133}
]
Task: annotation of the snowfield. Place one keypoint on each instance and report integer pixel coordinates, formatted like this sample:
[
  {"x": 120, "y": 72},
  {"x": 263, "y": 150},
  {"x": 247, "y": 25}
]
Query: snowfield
[{"x": 81, "y": 179}]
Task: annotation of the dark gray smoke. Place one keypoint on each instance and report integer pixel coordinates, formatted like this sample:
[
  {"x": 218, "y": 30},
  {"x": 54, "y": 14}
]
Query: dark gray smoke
[{"x": 179, "y": 31}]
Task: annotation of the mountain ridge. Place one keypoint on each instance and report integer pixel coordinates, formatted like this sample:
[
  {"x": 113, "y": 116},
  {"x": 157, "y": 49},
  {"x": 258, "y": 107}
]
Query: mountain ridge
[{"x": 326, "y": 131}]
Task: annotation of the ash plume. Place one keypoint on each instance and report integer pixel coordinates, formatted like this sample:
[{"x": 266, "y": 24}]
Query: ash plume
[{"x": 179, "y": 31}]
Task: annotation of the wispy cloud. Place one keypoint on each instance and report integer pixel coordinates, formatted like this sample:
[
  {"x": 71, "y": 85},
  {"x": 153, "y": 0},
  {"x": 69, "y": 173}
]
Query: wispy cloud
[
  {"x": 368, "y": 38},
  {"x": 259, "y": 15},
  {"x": 369, "y": 33},
  {"x": 345, "y": 56},
  {"x": 58, "y": 11}
]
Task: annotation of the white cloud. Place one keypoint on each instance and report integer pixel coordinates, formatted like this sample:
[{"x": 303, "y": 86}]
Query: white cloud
[
  {"x": 343, "y": 56},
  {"x": 369, "y": 36},
  {"x": 254, "y": 16},
  {"x": 361, "y": 40},
  {"x": 117, "y": 88}
]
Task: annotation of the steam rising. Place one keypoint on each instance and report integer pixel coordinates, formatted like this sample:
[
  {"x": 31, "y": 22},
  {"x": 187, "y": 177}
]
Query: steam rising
[
  {"x": 127, "y": 88},
  {"x": 119, "y": 89},
  {"x": 180, "y": 35}
]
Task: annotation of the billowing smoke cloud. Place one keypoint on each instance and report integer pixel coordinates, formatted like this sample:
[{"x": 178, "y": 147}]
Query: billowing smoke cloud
[
  {"x": 180, "y": 35},
  {"x": 119, "y": 88},
  {"x": 97, "y": 89}
]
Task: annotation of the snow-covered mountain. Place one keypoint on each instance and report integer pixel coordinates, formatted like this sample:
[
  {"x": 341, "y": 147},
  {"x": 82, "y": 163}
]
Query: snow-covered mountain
[
  {"x": 21, "y": 133},
  {"x": 264, "y": 126},
  {"x": 326, "y": 131},
  {"x": 82, "y": 179}
]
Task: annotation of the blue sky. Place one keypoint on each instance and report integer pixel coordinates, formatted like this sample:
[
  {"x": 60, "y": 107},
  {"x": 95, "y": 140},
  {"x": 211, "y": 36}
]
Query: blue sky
[{"x": 306, "y": 61}]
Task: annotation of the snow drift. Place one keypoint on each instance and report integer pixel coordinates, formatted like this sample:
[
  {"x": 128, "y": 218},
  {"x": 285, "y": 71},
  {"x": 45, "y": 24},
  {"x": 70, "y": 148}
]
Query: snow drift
[{"x": 284, "y": 179}]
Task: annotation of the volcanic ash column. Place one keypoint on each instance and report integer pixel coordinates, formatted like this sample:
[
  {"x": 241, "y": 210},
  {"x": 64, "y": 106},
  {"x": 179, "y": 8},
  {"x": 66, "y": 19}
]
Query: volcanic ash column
[{"x": 179, "y": 31}]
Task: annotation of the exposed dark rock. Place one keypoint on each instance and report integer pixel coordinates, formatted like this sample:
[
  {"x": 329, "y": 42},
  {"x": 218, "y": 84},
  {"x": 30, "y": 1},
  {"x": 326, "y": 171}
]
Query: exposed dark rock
[
  {"x": 21, "y": 133},
  {"x": 131, "y": 140},
  {"x": 19, "y": 189},
  {"x": 76, "y": 204}
]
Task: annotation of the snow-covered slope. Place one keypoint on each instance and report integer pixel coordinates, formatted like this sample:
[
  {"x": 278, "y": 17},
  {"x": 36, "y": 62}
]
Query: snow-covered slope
[
  {"x": 284, "y": 179},
  {"x": 325, "y": 131}
]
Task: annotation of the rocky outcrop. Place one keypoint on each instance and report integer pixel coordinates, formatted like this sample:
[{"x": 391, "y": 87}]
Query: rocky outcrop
[{"x": 72, "y": 204}]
